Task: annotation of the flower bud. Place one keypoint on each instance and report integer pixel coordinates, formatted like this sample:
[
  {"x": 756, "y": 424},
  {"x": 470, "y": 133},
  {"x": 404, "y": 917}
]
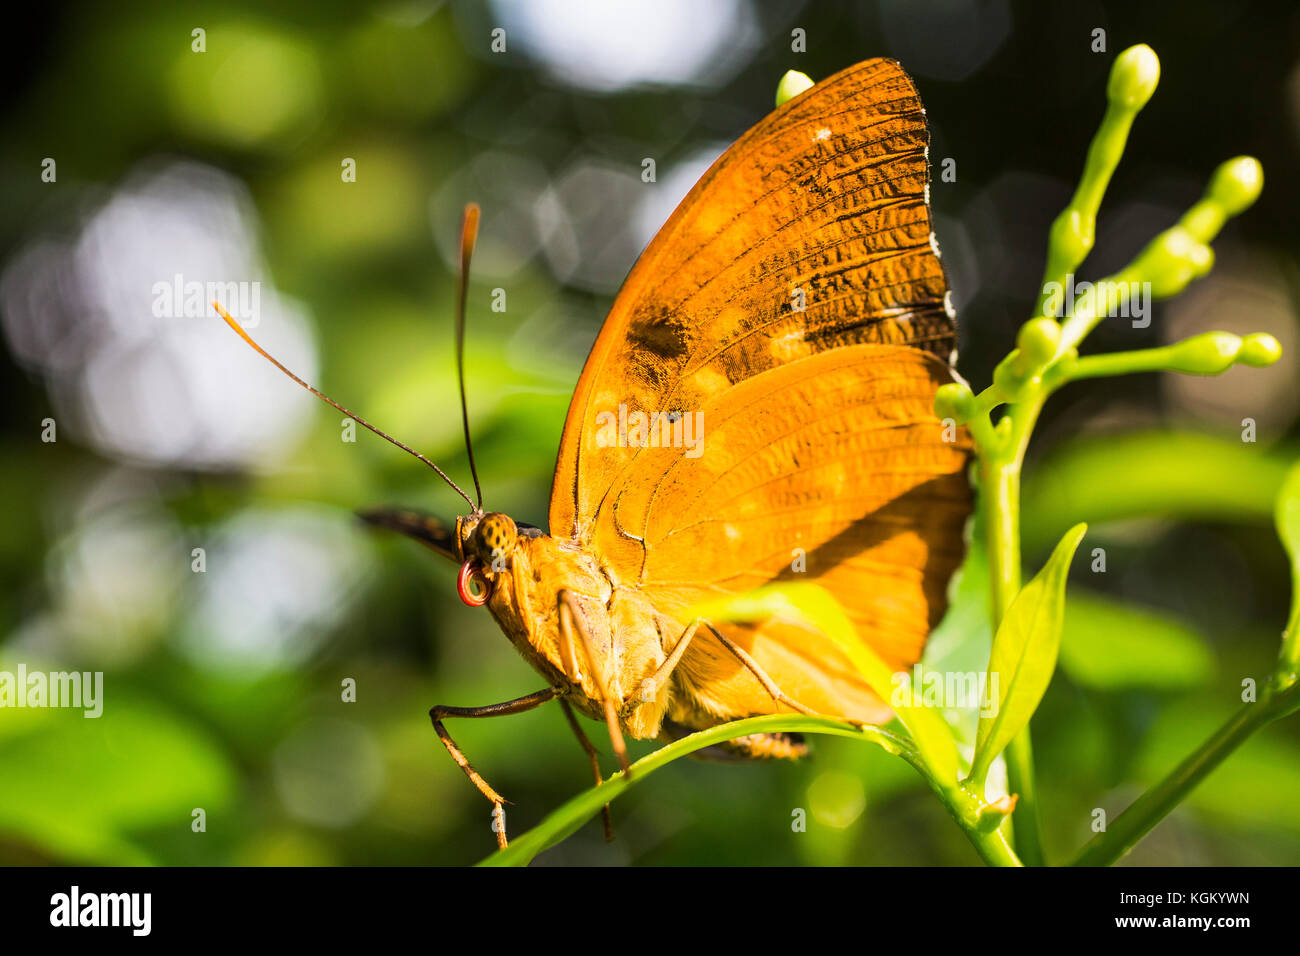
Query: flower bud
[
  {"x": 1259, "y": 349},
  {"x": 954, "y": 401},
  {"x": 1207, "y": 354},
  {"x": 1237, "y": 183},
  {"x": 1134, "y": 76},
  {"x": 1172, "y": 260},
  {"x": 791, "y": 85},
  {"x": 1038, "y": 340}
]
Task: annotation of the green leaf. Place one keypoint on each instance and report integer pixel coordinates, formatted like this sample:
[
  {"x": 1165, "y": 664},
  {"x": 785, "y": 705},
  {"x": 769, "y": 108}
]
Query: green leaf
[
  {"x": 1024, "y": 654},
  {"x": 815, "y": 608},
  {"x": 1110, "y": 645},
  {"x": 1166, "y": 474},
  {"x": 962, "y": 641},
  {"x": 82, "y": 788},
  {"x": 573, "y": 814}
]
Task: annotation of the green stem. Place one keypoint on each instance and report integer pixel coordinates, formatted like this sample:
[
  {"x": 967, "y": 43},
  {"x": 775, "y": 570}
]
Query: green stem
[
  {"x": 1154, "y": 805},
  {"x": 1133, "y": 79},
  {"x": 1003, "y": 522},
  {"x": 1288, "y": 671},
  {"x": 993, "y": 846},
  {"x": 1001, "y": 497},
  {"x": 1112, "y": 364},
  {"x": 1019, "y": 757},
  {"x": 1287, "y": 674}
]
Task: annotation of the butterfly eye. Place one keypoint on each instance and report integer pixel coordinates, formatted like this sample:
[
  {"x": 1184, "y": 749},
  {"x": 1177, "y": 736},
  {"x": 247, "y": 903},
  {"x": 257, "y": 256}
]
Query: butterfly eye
[
  {"x": 465, "y": 584},
  {"x": 494, "y": 538}
]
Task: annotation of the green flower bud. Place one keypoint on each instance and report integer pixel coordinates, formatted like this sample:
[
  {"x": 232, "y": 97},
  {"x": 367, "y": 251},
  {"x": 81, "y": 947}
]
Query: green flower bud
[
  {"x": 1072, "y": 235},
  {"x": 791, "y": 85},
  {"x": 1134, "y": 76},
  {"x": 1207, "y": 354},
  {"x": 1259, "y": 349},
  {"x": 1038, "y": 340},
  {"x": 954, "y": 401},
  {"x": 1215, "y": 352},
  {"x": 1201, "y": 257},
  {"x": 1173, "y": 259},
  {"x": 1237, "y": 183},
  {"x": 1013, "y": 376}
]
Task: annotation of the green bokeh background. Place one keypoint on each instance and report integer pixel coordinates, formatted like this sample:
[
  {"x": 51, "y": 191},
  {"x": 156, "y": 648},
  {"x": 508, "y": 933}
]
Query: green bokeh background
[{"x": 1195, "y": 589}]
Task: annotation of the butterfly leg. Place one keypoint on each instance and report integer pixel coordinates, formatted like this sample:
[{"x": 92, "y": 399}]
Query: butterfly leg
[
  {"x": 650, "y": 685},
  {"x": 570, "y": 622},
  {"x": 516, "y": 706},
  {"x": 595, "y": 763},
  {"x": 773, "y": 691}
]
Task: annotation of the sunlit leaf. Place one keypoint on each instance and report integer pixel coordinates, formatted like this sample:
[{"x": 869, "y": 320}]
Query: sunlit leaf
[
  {"x": 1024, "y": 654},
  {"x": 960, "y": 644}
]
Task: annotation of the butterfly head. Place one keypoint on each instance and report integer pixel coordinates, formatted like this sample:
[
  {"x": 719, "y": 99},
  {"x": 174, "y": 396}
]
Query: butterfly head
[{"x": 487, "y": 542}]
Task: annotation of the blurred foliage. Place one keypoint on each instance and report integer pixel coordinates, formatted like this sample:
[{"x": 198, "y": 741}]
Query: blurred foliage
[{"x": 244, "y": 717}]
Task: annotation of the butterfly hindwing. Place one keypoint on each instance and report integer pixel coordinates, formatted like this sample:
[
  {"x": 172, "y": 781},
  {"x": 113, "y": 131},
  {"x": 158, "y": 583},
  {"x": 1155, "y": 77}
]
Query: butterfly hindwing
[{"x": 783, "y": 337}]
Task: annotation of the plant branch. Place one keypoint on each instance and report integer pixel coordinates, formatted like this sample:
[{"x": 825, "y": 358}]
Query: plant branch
[
  {"x": 1133, "y": 79},
  {"x": 1154, "y": 805},
  {"x": 1001, "y": 500}
]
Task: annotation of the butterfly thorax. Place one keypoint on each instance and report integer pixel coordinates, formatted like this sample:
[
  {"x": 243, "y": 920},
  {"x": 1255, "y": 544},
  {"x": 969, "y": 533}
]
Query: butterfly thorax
[{"x": 530, "y": 575}]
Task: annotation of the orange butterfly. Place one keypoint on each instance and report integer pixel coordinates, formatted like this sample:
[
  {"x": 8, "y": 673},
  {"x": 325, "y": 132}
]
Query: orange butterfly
[{"x": 756, "y": 408}]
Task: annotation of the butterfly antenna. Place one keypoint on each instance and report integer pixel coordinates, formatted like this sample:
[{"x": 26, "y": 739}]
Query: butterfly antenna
[
  {"x": 329, "y": 401},
  {"x": 468, "y": 236}
]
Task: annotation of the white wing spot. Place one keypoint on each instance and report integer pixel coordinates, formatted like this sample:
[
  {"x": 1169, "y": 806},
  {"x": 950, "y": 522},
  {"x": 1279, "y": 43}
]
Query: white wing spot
[{"x": 821, "y": 134}]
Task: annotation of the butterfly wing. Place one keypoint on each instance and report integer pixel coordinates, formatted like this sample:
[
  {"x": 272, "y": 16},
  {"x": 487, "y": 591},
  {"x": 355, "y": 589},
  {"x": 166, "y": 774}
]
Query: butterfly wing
[{"x": 791, "y": 314}]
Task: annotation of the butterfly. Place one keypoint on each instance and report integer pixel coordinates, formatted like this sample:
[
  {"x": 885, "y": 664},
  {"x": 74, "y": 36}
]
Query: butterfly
[{"x": 757, "y": 408}]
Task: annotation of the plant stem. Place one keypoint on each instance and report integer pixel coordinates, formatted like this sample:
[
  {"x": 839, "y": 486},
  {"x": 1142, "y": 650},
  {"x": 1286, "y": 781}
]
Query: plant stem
[
  {"x": 1019, "y": 757},
  {"x": 992, "y": 846},
  {"x": 1001, "y": 497},
  {"x": 1002, "y": 482},
  {"x": 1154, "y": 805},
  {"x": 1288, "y": 659}
]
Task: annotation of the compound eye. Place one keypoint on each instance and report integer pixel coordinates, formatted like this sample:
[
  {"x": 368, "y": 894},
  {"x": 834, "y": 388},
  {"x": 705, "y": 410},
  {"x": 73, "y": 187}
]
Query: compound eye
[
  {"x": 496, "y": 536},
  {"x": 470, "y": 577}
]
